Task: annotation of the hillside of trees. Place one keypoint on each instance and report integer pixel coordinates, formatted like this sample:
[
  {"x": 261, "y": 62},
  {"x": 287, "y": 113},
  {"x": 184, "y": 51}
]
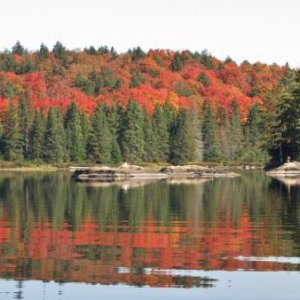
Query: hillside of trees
[{"x": 96, "y": 105}]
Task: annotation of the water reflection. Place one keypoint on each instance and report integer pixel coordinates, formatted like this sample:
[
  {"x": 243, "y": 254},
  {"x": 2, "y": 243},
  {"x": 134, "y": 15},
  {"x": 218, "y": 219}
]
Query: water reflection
[{"x": 153, "y": 235}]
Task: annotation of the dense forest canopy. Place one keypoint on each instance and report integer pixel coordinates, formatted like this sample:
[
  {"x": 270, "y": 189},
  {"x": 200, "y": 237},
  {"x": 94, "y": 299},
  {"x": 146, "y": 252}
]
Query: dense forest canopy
[{"x": 101, "y": 106}]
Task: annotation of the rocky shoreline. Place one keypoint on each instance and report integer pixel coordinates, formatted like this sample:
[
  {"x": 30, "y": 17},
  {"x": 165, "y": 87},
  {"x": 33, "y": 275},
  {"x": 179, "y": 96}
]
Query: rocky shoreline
[
  {"x": 127, "y": 172},
  {"x": 289, "y": 169}
]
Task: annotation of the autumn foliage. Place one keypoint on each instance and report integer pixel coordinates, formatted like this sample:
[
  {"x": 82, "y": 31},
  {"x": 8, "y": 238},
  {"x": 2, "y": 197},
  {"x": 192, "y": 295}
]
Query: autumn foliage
[{"x": 184, "y": 79}]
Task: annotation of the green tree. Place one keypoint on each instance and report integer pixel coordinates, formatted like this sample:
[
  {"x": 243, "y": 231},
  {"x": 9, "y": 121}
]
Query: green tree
[
  {"x": 86, "y": 129},
  {"x": 137, "y": 79},
  {"x": 113, "y": 120},
  {"x": 161, "y": 130},
  {"x": 196, "y": 148},
  {"x": 204, "y": 79},
  {"x": 54, "y": 147},
  {"x": 13, "y": 142},
  {"x": 43, "y": 52},
  {"x": 211, "y": 142},
  {"x": 18, "y": 49},
  {"x": 132, "y": 136},
  {"x": 288, "y": 117},
  {"x": 224, "y": 133},
  {"x": 100, "y": 139},
  {"x": 151, "y": 147},
  {"x": 182, "y": 140},
  {"x": 255, "y": 144},
  {"x": 25, "y": 120},
  {"x": 74, "y": 138},
  {"x": 37, "y": 134},
  {"x": 60, "y": 53},
  {"x": 236, "y": 133},
  {"x": 177, "y": 62}
]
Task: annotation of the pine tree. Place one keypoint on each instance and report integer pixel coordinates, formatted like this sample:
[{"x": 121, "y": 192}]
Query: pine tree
[
  {"x": 289, "y": 118},
  {"x": 236, "y": 133},
  {"x": 278, "y": 104},
  {"x": 204, "y": 79},
  {"x": 100, "y": 139},
  {"x": 255, "y": 147},
  {"x": 25, "y": 120},
  {"x": 177, "y": 63},
  {"x": 54, "y": 147},
  {"x": 18, "y": 49},
  {"x": 161, "y": 130},
  {"x": 37, "y": 134},
  {"x": 13, "y": 142},
  {"x": 224, "y": 133},
  {"x": 43, "y": 52},
  {"x": 151, "y": 147},
  {"x": 132, "y": 139},
  {"x": 113, "y": 120},
  {"x": 181, "y": 139},
  {"x": 86, "y": 129},
  {"x": 116, "y": 155},
  {"x": 196, "y": 149},
  {"x": 211, "y": 142},
  {"x": 74, "y": 138}
]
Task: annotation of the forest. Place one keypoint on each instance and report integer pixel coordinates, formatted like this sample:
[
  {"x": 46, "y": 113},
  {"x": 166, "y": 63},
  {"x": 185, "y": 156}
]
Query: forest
[{"x": 99, "y": 106}]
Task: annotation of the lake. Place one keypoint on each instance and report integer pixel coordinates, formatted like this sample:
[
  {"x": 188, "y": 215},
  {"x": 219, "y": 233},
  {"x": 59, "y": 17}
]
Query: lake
[{"x": 207, "y": 239}]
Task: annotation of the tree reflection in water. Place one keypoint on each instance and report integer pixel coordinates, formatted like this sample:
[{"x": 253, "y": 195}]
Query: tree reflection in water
[{"x": 154, "y": 234}]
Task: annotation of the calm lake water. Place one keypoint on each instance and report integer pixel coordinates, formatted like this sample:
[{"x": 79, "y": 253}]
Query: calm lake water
[{"x": 210, "y": 239}]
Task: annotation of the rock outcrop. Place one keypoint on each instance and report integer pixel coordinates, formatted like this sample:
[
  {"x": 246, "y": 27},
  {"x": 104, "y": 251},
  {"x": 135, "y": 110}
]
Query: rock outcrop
[{"x": 132, "y": 172}]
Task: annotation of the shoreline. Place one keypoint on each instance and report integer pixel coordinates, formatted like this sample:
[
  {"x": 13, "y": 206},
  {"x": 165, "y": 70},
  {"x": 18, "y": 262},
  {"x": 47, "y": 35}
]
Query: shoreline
[
  {"x": 127, "y": 172},
  {"x": 152, "y": 167}
]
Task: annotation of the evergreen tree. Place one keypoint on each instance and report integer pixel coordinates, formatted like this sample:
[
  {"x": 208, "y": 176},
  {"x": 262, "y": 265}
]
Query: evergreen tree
[
  {"x": 13, "y": 142},
  {"x": 86, "y": 129},
  {"x": 132, "y": 138},
  {"x": 204, "y": 79},
  {"x": 137, "y": 53},
  {"x": 236, "y": 133},
  {"x": 255, "y": 148},
  {"x": 25, "y": 119},
  {"x": 74, "y": 138},
  {"x": 137, "y": 79},
  {"x": 181, "y": 139},
  {"x": 113, "y": 120},
  {"x": 289, "y": 116},
  {"x": 211, "y": 142},
  {"x": 116, "y": 155},
  {"x": 43, "y": 52},
  {"x": 151, "y": 147},
  {"x": 91, "y": 50},
  {"x": 54, "y": 147},
  {"x": 18, "y": 49},
  {"x": 37, "y": 134},
  {"x": 177, "y": 63},
  {"x": 224, "y": 133},
  {"x": 196, "y": 148},
  {"x": 100, "y": 139},
  {"x": 161, "y": 131},
  {"x": 60, "y": 51}
]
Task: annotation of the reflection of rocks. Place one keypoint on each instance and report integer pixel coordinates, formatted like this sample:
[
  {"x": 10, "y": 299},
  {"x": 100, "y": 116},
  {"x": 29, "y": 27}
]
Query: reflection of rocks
[
  {"x": 134, "y": 183},
  {"x": 288, "y": 173},
  {"x": 287, "y": 169},
  {"x": 292, "y": 180},
  {"x": 196, "y": 181},
  {"x": 125, "y": 184}
]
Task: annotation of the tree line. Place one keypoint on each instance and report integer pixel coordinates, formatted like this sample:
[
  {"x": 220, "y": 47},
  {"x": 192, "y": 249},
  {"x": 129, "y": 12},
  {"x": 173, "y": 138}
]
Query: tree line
[{"x": 112, "y": 134}]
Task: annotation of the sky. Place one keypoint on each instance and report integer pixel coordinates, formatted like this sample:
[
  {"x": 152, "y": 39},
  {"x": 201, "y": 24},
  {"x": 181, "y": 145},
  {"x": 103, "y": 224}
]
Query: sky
[{"x": 253, "y": 30}]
